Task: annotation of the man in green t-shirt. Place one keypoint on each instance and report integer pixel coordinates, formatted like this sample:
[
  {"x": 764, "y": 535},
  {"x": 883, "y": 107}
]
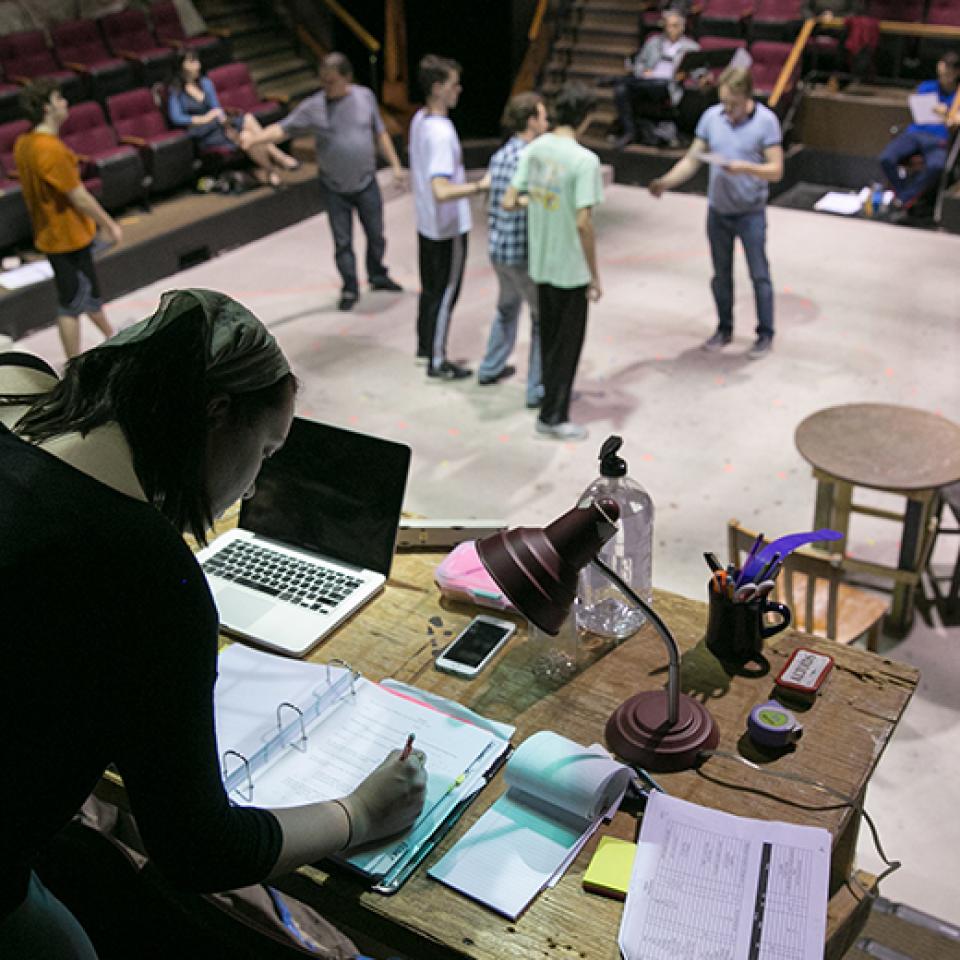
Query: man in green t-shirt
[{"x": 559, "y": 182}]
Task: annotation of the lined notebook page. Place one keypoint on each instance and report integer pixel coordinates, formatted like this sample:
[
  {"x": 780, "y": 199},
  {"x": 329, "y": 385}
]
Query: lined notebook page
[{"x": 558, "y": 790}]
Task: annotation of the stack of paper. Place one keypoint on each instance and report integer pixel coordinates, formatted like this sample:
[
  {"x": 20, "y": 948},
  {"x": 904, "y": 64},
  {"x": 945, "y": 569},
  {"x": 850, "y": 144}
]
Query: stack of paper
[
  {"x": 707, "y": 884},
  {"x": 559, "y": 792}
]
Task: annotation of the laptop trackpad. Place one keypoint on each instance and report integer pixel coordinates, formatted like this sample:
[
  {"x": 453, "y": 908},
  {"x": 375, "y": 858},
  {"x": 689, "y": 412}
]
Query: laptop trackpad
[{"x": 245, "y": 609}]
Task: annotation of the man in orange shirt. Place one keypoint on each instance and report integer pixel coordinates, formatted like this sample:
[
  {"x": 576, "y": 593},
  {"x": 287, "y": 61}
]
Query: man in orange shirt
[{"x": 64, "y": 213}]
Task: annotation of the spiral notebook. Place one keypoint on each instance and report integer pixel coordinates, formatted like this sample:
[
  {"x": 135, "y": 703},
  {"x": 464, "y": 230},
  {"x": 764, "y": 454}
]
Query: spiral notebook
[
  {"x": 558, "y": 794},
  {"x": 291, "y": 733}
]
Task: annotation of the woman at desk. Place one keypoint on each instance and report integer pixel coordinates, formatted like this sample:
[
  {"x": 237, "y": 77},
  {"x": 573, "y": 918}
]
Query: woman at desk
[
  {"x": 108, "y": 652},
  {"x": 193, "y": 106}
]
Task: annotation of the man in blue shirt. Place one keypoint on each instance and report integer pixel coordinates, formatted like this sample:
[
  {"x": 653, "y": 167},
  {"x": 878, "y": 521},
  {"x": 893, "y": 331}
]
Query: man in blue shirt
[
  {"x": 928, "y": 139},
  {"x": 525, "y": 117},
  {"x": 741, "y": 141}
]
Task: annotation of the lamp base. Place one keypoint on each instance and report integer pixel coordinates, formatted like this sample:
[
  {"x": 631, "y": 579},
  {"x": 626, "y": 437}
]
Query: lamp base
[{"x": 637, "y": 732}]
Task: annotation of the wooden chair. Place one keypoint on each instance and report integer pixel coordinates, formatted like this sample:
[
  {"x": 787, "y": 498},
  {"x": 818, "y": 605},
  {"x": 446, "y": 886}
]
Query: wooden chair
[
  {"x": 811, "y": 585},
  {"x": 949, "y": 502}
]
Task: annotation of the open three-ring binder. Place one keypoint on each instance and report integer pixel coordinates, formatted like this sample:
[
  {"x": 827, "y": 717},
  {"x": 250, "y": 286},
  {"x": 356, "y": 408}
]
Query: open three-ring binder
[{"x": 292, "y": 732}]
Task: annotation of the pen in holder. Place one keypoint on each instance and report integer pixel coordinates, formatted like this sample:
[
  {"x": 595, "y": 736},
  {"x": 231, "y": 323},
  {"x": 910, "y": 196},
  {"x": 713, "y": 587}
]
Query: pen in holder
[{"x": 736, "y": 628}]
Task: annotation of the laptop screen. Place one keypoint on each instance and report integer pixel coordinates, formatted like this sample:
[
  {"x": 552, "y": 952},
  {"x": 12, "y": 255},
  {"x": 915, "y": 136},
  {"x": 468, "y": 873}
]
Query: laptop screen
[{"x": 332, "y": 492}]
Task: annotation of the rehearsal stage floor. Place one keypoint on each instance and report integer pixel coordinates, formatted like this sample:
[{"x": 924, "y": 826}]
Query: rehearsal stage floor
[{"x": 864, "y": 312}]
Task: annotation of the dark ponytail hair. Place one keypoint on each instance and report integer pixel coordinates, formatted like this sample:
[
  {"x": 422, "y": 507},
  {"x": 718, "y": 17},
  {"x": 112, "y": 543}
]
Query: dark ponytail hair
[{"x": 156, "y": 390}]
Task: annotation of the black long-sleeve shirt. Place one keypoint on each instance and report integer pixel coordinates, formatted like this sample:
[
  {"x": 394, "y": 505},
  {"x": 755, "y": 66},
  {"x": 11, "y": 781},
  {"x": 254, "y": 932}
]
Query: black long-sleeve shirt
[{"x": 108, "y": 652}]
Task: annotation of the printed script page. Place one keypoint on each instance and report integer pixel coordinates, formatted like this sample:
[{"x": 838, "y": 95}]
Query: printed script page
[{"x": 708, "y": 885}]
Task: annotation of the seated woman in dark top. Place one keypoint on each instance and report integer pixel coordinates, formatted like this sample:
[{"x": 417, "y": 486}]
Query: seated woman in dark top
[
  {"x": 194, "y": 106},
  {"x": 108, "y": 646}
]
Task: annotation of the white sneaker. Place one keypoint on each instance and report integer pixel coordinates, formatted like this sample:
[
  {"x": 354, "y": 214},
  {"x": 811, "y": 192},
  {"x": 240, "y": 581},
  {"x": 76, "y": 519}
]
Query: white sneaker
[{"x": 562, "y": 431}]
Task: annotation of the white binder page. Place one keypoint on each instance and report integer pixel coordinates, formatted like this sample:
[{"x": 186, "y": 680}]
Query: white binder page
[
  {"x": 250, "y": 687},
  {"x": 355, "y": 738},
  {"x": 708, "y": 885}
]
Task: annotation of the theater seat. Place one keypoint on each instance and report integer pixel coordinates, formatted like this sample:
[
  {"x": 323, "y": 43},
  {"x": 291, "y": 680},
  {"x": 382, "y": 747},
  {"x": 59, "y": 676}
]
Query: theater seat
[
  {"x": 944, "y": 13},
  {"x": 726, "y": 18},
  {"x": 168, "y": 29},
  {"x": 80, "y": 47},
  {"x": 128, "y": 35},
  {"x": 906, "y": 11},
  {"x": 8, "y": 137},
  {"x": 102, "y": 156},
  {"x": 25, "y": 56},
  {"x": 238, "y": 93},
  {"x": 9, "y": 100},
  {"x": 768, "y": 60},
  {"x": 167, "y": 155},
  {"x": 15, "y": 227},
  {"x": 777, "y": 19}
]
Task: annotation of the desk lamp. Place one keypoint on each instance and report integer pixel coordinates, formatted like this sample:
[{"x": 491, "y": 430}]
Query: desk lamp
[{"x": 537, "y": 569}]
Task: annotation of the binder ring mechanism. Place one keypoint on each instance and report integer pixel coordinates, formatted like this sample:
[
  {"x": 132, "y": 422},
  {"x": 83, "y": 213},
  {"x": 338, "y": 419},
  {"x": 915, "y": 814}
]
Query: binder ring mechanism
[{"x": 286, "y": 733}]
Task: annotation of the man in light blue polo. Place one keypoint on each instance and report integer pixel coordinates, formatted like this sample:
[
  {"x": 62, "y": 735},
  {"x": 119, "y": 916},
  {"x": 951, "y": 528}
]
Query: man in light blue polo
[{"x": 741, "y": 141}]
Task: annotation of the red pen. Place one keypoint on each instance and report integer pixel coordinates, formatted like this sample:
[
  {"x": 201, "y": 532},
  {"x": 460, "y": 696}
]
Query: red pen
[{"x": 407, "y": 747}]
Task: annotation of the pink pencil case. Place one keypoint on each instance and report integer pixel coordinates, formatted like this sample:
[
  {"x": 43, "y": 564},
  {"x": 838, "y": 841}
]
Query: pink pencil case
[{"x": 461, "y": 576}]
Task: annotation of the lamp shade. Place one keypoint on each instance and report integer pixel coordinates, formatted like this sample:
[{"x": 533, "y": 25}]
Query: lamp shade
[{"x": 537, "y": 567}]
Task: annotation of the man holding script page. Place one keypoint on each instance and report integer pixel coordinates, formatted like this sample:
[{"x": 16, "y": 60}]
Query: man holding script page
[{"x": 109, "y": 649}]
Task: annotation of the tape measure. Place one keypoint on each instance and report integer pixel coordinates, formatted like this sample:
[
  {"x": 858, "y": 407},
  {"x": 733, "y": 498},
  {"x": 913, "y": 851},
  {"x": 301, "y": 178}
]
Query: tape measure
[{"x": 772, "y": 725}]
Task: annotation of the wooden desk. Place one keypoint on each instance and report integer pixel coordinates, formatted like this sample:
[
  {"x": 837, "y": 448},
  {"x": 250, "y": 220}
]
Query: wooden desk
[
  {"x": 885, "y": 447},
  {"x": 846, "y": 732}
]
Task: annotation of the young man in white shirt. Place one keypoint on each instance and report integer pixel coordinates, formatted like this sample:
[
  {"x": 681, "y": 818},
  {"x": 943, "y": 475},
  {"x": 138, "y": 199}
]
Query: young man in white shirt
[{"x": 440, "y": 194}]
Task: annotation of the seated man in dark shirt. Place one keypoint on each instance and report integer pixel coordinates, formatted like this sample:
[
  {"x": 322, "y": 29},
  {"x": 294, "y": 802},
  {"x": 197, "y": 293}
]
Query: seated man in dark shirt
[
  {"x": 654, "y": 80},
  {"x": 928, "y": 139}
]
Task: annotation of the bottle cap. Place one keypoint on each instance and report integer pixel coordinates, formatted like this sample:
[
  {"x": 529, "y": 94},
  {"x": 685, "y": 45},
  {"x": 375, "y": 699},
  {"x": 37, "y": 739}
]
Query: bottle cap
[{"x": 610, "y": 464}]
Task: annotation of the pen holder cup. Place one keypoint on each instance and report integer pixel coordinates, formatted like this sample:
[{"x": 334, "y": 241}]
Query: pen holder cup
[{"x": 736, "y": 630}]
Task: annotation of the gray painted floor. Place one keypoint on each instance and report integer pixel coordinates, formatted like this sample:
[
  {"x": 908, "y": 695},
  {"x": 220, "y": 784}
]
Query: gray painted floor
[{"x": 865, "y": 312}]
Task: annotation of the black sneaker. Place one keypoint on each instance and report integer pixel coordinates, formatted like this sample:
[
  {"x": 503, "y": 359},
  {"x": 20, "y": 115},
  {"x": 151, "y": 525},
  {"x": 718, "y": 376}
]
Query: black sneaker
[
  {"x": 348, "y": 300},
  {"x": 717, "y": 342},
  {"x": 761, "y": 346},
  {"x": 507, "y": 371},
  {"x": 386, "y": 283},
  {"x": 448, "y": 371}
]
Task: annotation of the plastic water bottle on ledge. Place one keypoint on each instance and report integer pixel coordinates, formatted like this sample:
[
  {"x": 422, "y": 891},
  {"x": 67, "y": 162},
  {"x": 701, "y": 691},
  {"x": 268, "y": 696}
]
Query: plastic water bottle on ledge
[{"x": 602, "y": 608}]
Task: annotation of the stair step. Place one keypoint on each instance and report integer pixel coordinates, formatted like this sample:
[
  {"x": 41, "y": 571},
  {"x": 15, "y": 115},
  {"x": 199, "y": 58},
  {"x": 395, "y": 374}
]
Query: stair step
[
  {"x": 260, "y": 45},
  {"x": 244, "y": 25},
  {"x": 264, "y": 69},
  {"x": 295, "y": 86},
  {"x": 618, "y": 48},
  {"x": 225, "y": 10},
  {"x": 610, "y": 8}
]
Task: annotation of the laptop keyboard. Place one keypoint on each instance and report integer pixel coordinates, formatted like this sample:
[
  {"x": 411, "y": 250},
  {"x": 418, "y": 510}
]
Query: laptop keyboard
[{"x": 295, "y": 581}]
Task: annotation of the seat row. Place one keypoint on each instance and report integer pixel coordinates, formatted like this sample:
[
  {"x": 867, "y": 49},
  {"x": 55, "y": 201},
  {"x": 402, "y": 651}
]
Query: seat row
[
  {"x": 92, "y": 59},
  {"x": 780, "y": 19},
  {"x": 136, "y": 153}
]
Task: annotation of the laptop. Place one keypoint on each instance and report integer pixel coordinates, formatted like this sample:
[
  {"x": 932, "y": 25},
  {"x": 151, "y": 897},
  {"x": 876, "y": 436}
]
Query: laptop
[{"x": 316, "y": 540}]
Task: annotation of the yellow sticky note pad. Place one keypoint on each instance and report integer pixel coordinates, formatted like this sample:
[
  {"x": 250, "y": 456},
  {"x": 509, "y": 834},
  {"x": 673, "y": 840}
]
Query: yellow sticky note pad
[{"x": 610, "y": 869}]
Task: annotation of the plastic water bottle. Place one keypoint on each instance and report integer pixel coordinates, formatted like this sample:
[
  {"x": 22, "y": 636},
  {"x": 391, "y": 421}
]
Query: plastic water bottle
[{"x": 601, "y": 606}]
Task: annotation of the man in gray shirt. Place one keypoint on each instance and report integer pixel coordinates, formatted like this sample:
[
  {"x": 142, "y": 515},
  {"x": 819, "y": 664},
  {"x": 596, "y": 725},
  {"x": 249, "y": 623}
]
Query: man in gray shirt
[
  {"x": 345, "y": 119},
  {"x": 741, "y": 141}
]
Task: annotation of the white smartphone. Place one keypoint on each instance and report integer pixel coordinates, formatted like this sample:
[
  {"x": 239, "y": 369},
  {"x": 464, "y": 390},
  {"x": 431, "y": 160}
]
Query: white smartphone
[{"x": 471, "y": 651}]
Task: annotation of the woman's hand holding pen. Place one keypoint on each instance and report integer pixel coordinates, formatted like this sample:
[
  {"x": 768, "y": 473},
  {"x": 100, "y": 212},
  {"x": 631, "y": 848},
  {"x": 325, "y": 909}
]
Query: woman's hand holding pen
[{"x": 389, "y": 800}]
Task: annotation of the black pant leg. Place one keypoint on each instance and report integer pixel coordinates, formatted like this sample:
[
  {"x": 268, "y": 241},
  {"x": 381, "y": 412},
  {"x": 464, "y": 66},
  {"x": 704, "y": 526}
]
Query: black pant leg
[
  {"x": 340, "y": 215},
  {"x": 435, "y": 257},
  {"x": 369, "y": 204},
  {"x": 563, "y": 323}
]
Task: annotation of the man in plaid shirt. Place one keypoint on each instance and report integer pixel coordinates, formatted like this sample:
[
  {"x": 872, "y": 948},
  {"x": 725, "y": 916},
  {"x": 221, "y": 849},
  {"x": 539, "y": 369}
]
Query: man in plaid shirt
[{"x": 525, "y": 117}]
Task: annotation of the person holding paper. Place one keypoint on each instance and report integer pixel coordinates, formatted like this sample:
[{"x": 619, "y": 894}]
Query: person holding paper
[
  {"x": 64, "y": 214},
  {"x": 929, "y": 139},
  {"x": 654, "y": 76},
  {"x": 743, "y": 139},
  {"x": 109, "y": 649}
]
